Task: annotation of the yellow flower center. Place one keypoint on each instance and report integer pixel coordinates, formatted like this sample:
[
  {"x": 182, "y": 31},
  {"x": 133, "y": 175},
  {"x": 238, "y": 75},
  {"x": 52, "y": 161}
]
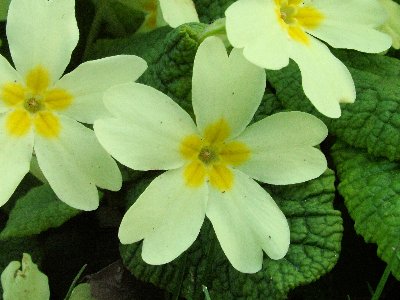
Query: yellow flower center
[
  {"x": 296, "y": 18},
  {"x": 210, "y": 157},
  {"x": 32, "y": 104}
]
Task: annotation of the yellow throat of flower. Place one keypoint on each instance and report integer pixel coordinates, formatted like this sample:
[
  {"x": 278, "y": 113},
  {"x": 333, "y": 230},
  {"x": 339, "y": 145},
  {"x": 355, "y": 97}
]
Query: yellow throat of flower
[
  {"x": 296, "y": 18},
  {"x": 33, "y": 104},
  {"x": 209, "y": 157}
]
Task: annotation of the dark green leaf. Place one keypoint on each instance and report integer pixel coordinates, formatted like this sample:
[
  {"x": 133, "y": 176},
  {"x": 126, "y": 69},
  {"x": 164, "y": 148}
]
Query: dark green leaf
[
  {"x": 371, "y": 189},
  {"x": 210, "y": 10},
  {"x": 37, "y": 211}
]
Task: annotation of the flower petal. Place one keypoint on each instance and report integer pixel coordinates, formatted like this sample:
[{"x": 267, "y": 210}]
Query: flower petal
[
  {"x": 74, "y": 163},
  {"x": 350, "y": 24},
  {"x": 334, "y": 84},
  {"x": 8, "y": 76},
  {"x": 246, "y": 221},
  {"x": 15, "y": 157},
  {"x": 281, "y": 148},
  {"x": 392, "y": 24},
  {"x": 168, "y": 215},
  {"x": 253, "y": 25},
  {"x": 149, "y": 128},
  {"x": 88, "y": 82},
  {"x": 178, "y": 12},
  {"x": 225, "y": 88},
  {"x": 42, "y": 33}
]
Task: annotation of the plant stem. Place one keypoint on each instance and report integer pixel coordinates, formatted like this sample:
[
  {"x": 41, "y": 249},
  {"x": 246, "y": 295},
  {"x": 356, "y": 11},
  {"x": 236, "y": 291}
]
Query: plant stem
[
  {"x": 386, "y": 273},
  {"x": 381, "y": 284},
  {"x": 73, "y": 284}
]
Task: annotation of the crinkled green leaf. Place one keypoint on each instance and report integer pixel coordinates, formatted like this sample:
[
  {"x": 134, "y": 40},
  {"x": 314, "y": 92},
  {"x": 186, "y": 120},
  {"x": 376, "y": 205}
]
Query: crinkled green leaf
[
  {"x": 37, "y": 211},
  {"x": 210, "y": 10},
  {"x": 372, "y": 63},
  {"x": 371, "y": 189},
  {"x": 316, "y": 231},
  {"x": 373, "y": 121}
]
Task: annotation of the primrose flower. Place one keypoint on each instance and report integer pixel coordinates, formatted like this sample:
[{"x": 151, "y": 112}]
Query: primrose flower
[
  {"x": 162, "y": 12},
  {"x": 24, "y": 283},
  {"x": 40, "y": 113},
  {"x": 210, "y": 165},
  {"x": 272, "y": 31},
  {"x": 392, "y": 24}
]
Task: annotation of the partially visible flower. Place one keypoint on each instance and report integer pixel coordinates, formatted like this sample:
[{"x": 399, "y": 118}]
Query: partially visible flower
[
  {"x": 210, "y": 165},
  {"x": 25, "y": 283},
  {"x": 392, "y": 24},
  {"x": 162, "y": 12},
  {"x": 41, "y": 113},
  {"x": 272, "y": 31}
]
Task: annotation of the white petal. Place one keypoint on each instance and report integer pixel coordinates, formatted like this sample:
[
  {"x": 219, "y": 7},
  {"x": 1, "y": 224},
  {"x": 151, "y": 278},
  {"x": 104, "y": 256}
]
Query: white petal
[
  {"x": 148, "y": 130},
  {"x": 15, "y": 157},
  {"x": 178, "y": 12},
  {"x": 42, "y": 33},
  {"x": 326, "y": 80},
  {"x": 7, "y": 72},
  {"x": 7, "y": 75},
  {"x": 168, "y": 215},
  {"x": 253, "y": 25},
  {"x": 350, "y": 24},
  {"x": 225, "y": 88},
  {"x": 246, "y": 221},
  {"x": 74, "y": 163},
  {"x": 392, "y": 24},
  {"x": 88, "y": 82},
  {"x": 281, "y": 148}
]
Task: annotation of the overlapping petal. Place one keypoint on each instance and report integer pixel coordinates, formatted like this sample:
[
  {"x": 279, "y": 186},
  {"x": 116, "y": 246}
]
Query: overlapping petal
[
  {"x": 218, "y": 89},
  {"x": 326, "y": 80},
  {"x": 252, "y": 25},
  {"x": 74, "y": 163},
  {"x": 281, "y": 148},
  {"x": 178, "y": 12},
  {"x": 15, "y": 157},
  {"x": 88, "y": 82},
  {"x": 168, "y": 215},
  {"x": 350, "y": 24},
  {"x": 42, "y": 33},
  {"x": 148, "y": 129},
  {"x": 246, "y": 221},
  {"x": 392, "y": 24}
]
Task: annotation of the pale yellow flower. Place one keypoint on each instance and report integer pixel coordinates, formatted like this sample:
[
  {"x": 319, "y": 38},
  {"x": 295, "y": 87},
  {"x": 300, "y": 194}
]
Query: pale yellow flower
[
  {"x": 211, "y": 165},
  {"x": 271, "y": 32}
]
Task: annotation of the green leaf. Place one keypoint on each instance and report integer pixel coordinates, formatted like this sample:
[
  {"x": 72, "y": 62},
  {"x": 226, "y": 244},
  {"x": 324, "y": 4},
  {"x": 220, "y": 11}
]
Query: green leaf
[
  {"x": 316, "y": 231},
  {"x": 37, "y": 211},
  {"x": 210, "y": 10},
  {"x": 373, "y": 121},
  {"x": 371, "y": 190},
  {"x": 120, "y": 16},
  {"x": 4, "y": 9}
]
